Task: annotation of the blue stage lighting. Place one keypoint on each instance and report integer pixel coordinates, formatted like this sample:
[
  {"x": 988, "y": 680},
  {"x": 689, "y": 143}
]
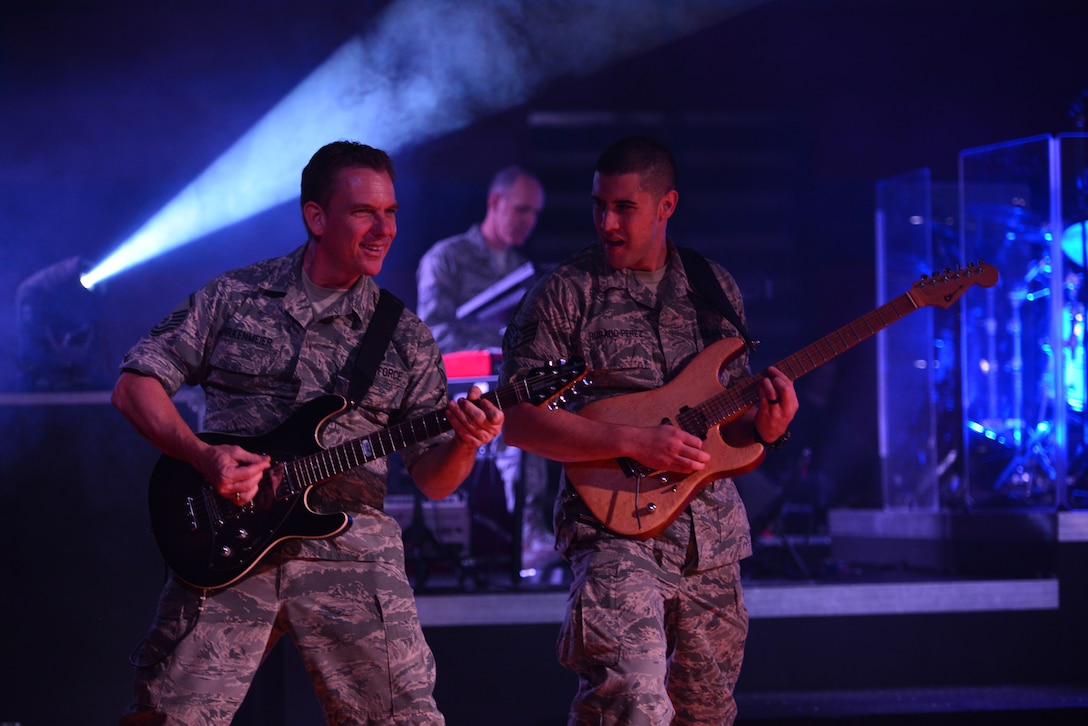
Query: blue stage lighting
[
  {"x": 428, "y": 67},
  {"x": 57, "y": 324}
]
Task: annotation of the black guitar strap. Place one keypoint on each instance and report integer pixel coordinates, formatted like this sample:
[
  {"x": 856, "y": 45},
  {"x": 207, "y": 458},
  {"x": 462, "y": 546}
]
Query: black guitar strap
[
  {"x": 372, "y": 347},
  {"x": 705, "y": 282}
]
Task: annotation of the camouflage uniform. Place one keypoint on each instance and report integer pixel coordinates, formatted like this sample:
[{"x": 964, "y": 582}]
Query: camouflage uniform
[
  {"x": 249, "y": 338},
  {"x": 655, "y": 629},
  {"x": 451, "y": 273}
]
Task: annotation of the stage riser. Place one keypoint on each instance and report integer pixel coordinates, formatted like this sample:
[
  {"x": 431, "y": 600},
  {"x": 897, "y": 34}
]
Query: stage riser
[{"x": 968, "y": 544}]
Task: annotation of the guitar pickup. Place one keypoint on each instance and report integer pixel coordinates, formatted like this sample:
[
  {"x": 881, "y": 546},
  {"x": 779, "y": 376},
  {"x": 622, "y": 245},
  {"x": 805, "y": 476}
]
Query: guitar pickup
[{"x": 693, "y": 421}]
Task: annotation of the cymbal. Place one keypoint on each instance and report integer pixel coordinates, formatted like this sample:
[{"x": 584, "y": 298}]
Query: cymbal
[{"x": 1073, "y": 241}]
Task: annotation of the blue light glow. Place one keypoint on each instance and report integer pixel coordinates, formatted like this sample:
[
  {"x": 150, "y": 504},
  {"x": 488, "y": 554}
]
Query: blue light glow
[{"x": 428, "y": 67}]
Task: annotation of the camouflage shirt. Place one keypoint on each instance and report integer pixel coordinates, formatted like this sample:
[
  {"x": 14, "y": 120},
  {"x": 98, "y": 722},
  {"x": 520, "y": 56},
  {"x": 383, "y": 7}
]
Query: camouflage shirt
[
  {"x": 587, "y": 309},
  {"x": 250, "y": 340},
  {"x": 451, "y": 273}
]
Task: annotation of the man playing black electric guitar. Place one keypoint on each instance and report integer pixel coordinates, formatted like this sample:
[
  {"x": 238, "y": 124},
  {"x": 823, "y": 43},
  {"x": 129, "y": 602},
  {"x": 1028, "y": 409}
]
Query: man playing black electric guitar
[{"x": 262, "y": 341}]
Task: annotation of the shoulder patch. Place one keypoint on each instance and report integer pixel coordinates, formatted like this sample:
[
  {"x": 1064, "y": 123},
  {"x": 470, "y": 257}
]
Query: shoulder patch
[
  {"x": 175, "y": 318},
  {"x": 517, "y": 336}
]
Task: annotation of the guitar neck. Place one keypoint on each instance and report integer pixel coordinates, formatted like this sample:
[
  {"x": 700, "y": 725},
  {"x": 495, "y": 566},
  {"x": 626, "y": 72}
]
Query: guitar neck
[
  {"x": 816, "y": 354},
  {"x": 328, "y": 463},
  {"x": 744, "y": 393}
]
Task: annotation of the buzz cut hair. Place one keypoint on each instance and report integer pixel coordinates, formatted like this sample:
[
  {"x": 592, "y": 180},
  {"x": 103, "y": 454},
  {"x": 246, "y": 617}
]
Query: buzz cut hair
[{"x": 642, "y": 155}]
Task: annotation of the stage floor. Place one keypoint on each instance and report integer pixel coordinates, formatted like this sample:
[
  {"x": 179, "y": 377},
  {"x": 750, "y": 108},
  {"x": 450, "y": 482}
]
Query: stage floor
[
  {"x": 871, "y": 563},
  {"x": 870, "y": 594}
]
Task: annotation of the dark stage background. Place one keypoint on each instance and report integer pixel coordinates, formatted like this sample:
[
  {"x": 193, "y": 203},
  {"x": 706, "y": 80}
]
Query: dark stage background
[{"x": 783, "y": 118}]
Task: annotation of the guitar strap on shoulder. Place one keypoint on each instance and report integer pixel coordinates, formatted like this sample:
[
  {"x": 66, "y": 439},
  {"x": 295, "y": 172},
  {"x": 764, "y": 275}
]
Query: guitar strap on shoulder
[
  {"x": 372, "y": 347},
  {"x": 704, "y": 280}
]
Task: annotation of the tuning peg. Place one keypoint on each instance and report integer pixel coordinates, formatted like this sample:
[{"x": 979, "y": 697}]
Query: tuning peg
[{"x": 562, "y": 399}]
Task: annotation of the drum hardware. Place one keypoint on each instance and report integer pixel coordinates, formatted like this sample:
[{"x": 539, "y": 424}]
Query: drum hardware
[{"x": 1027, "y": 441}]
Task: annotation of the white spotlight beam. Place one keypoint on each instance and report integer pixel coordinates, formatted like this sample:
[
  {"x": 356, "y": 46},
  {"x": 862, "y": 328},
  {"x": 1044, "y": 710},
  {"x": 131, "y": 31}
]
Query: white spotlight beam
[{"x": 427, "y": 68}]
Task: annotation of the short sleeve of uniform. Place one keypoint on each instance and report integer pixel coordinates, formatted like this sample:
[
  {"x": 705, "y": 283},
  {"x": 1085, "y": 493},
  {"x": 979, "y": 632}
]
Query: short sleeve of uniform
[
  {"x": 542, "y": 329},
  {"x": 174, "y": 350}
]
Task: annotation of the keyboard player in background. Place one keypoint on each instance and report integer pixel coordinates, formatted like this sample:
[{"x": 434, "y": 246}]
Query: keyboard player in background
[{"x": 453, "y": 272}]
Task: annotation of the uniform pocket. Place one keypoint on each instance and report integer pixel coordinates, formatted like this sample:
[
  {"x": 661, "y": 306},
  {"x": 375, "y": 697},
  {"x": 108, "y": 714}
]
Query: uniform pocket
[
  {"x": 588, "y": 636},
  {"x": 177, "y": 614}
]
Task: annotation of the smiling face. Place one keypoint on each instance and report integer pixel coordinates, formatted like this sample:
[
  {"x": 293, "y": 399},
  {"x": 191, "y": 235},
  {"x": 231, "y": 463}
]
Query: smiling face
[
  {"x": 353, "y": 233},
  {"x": 631, "y": 221}
]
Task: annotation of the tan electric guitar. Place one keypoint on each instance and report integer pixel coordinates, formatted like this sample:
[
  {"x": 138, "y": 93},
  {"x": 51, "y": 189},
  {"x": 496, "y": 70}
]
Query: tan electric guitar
[{"x": 630, "y": 499}]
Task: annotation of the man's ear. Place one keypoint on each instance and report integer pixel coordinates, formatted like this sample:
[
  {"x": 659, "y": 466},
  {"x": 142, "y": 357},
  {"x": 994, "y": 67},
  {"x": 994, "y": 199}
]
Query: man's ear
[
  {"x": 314, "y": 216},
  {"x": 667, "y": 205}
]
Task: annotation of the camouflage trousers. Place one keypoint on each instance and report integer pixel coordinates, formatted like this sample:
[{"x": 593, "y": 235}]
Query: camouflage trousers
[
  {"x": 354, "y": 624},
  {"x": 653, "y": 639}
]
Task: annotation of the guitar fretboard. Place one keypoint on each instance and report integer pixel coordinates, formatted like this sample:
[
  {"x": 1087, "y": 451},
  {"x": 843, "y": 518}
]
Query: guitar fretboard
[
  {"x": 328, "y": 463},
  {"x": 939, "y": 289},
  {"x": 744, "y": 392}
]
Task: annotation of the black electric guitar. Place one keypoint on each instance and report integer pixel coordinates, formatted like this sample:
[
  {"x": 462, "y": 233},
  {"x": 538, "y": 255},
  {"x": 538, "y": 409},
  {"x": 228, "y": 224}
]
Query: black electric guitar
[
  {"x": 210, "y": 542},
  {"x": 633, "y": 500}
]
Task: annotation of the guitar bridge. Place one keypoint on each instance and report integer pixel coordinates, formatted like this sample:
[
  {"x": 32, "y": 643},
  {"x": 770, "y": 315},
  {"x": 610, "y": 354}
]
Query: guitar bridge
[
  {"x": 191, "y": 512},
  {"x": 632, "y": 468}
]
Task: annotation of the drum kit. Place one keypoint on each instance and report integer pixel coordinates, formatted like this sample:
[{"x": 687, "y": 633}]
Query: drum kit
[
  {"x": 1072, "y": 357},
  {"x": 1020, "y": 416}
]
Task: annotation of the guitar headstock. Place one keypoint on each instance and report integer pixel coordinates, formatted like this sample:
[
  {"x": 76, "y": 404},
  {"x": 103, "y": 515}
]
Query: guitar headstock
[
  {"x": 548, "y": 383},
  {"x": 944, "y": 288}
]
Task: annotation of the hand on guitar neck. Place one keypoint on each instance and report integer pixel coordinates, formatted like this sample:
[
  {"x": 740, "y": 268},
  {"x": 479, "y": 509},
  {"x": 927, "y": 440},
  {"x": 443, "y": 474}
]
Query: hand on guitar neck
[{"x": 777, "y": 405}]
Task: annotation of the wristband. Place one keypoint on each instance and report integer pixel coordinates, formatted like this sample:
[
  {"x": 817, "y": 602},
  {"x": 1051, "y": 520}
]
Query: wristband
[{"x": 771, "y": 445}]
